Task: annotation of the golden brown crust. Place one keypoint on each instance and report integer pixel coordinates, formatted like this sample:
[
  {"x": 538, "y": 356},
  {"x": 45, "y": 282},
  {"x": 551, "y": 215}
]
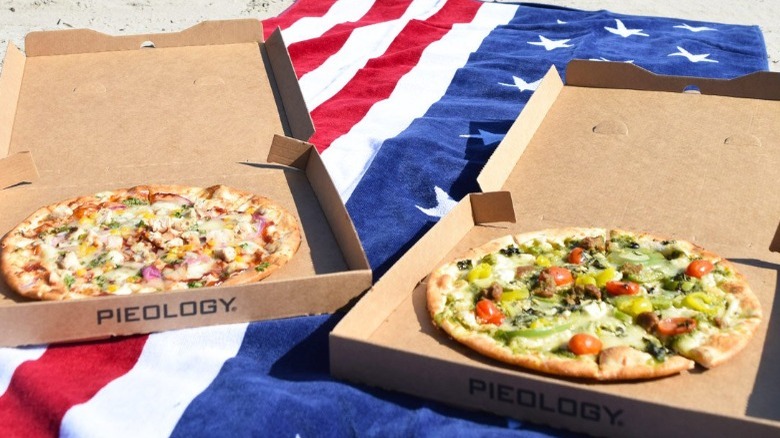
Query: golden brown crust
[
  {"x": 626, "y": 363},
  {"x": 613, "y": 363},
  {"x": 34, "y": 281}
]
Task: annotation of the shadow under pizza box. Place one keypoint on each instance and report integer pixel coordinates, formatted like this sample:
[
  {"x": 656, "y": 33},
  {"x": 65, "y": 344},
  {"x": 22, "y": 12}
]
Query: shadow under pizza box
[
  {"x": 85, "y": 112},
  {"x": 616, "y": 147}
]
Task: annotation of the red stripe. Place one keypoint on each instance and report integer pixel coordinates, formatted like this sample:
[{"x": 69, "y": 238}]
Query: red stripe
[
  {"x": 42, "y": 391},
  {"x": 379, "y": 77},
  {"x": 298, "y": 10},
  {"x": 306, "y": 56}
]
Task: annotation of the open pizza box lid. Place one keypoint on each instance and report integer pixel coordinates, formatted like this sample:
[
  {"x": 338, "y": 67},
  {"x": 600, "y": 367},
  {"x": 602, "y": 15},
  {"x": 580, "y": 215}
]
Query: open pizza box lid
[
  {"x": 615, "y": 147},
  {"x": 84, "y": 112}
]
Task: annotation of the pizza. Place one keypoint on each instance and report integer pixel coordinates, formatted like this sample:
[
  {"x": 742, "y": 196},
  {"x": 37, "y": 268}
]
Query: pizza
[
  {"x": 595, "y": 303},
  {"x": 146, "y": 239}
]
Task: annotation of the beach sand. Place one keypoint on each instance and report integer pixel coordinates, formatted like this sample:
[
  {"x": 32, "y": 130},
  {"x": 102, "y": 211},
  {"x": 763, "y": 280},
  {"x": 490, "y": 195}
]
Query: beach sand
[{"x": 127, "y": 17}]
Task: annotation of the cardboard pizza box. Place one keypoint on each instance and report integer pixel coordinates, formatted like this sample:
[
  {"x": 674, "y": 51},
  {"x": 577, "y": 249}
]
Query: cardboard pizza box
[
  {"x": 616, "y": 146},
  {"x": 84, "y": 112}
]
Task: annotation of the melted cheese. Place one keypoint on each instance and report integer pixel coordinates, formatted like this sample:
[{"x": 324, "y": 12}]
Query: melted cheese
[
  {"x": 546, "y": 324},
  {"x": 105, "y": 250}
]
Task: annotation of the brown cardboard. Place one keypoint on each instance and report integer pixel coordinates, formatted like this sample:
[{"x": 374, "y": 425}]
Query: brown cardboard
[
  {"x": 611, "y": 152},
  {"x": 85, "y": 112},
  {"x": 16, "y": 169}
]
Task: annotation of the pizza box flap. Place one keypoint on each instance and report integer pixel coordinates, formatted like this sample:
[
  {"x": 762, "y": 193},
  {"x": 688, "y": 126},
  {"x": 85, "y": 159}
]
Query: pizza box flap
[
  {"x": 300, "y": 123},
  {"x": 700, "y": 167},
  {"x": 201, "y": 96},
  {"x": 757, "y": 85},
  {"x": 16, "y": 169},
  {"x": 302, "y": 155},
  {"x": 10, "y": 86},
  {"x": 666, "y": 161},
  {"x": 74, "y": 41}
]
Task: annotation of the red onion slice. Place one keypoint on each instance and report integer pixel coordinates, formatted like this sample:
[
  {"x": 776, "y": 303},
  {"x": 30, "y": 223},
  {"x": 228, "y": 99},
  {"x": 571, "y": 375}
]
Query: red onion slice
[
  {"x": 260, "y": 223},
  {"x": 151, "y": 273}
]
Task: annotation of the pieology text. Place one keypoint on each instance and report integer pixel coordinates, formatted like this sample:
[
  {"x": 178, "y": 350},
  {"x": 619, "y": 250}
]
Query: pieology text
[
  {"x": 165, "y": 311},
  {"x": 531, "y": 399}
]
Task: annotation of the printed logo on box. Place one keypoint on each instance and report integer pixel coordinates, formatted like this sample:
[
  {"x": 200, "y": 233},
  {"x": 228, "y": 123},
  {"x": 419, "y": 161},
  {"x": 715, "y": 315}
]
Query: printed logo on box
[
  {"x": 527, "y": 398},
  {"x": 151, "y": 312}
]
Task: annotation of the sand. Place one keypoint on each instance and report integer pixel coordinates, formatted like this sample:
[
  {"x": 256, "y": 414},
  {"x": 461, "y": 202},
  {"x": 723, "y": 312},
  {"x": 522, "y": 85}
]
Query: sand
[{"x": 115, "y": 17}]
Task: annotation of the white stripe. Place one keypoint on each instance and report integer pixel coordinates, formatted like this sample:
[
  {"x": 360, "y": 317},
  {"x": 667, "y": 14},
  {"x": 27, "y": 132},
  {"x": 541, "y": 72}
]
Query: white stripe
[
  {"x": 11, "y": 358},
  {"x": 343, "y": 11},
  {"x": 363, "y": 44},
  {"x": 148, "y": 401},
  {"x": 348, "y": 157}
]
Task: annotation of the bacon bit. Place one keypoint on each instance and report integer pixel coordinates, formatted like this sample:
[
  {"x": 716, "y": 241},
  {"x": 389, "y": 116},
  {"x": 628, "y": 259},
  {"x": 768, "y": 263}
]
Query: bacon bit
[
  {"x": 547, "y": 285},
  {"x": 593, "y": 243},
  {"x": 630, "y": 268},
  {"x": 580, "y": 292},
  {"x": 493, "y": 292},
  {"x": 647, "y": 320}
]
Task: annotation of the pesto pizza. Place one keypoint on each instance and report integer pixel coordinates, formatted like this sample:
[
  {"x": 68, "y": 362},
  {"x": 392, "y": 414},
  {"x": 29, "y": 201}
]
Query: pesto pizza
[
  {"x": 147, "y": 239},
  {"x": 595, "y": 303}
]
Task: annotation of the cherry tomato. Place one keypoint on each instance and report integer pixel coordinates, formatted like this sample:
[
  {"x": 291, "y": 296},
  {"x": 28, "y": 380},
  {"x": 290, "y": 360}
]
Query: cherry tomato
[
  {"x": 675, "y": 326},
  {"x": 699, "y": 268},
  {"x": 562, "y": 276},
  {"x": 622, "y": 288},
  {"x": 575, "y": 256},
  {"x": 488, "y": 312},
  {"x": 583, "y": 343}
]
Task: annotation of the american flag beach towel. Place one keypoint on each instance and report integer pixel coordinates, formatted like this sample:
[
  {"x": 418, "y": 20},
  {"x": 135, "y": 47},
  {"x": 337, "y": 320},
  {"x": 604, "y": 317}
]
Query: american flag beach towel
[{"x": 409, "y": 99}]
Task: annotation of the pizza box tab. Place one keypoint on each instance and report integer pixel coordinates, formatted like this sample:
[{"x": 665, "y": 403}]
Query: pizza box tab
[
  {"x": 614, "y": 147},
  {"x": 83, "y": 112}
]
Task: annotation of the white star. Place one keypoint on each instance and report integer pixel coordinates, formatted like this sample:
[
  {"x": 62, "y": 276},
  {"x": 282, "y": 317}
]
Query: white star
[
  {"x": 487, "y": 137},
  {"x": 561, "y": 21},
  {"x": 621, "y": 30},
  {"x": 630, "y": 61},
  {"x": 691, "y": 57},
  {"x": 694, "y": 29},
  {"x": 521, "y": 84},
  {"x": 550, "y": 44},
  {"x": 444, "y": 204}
]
